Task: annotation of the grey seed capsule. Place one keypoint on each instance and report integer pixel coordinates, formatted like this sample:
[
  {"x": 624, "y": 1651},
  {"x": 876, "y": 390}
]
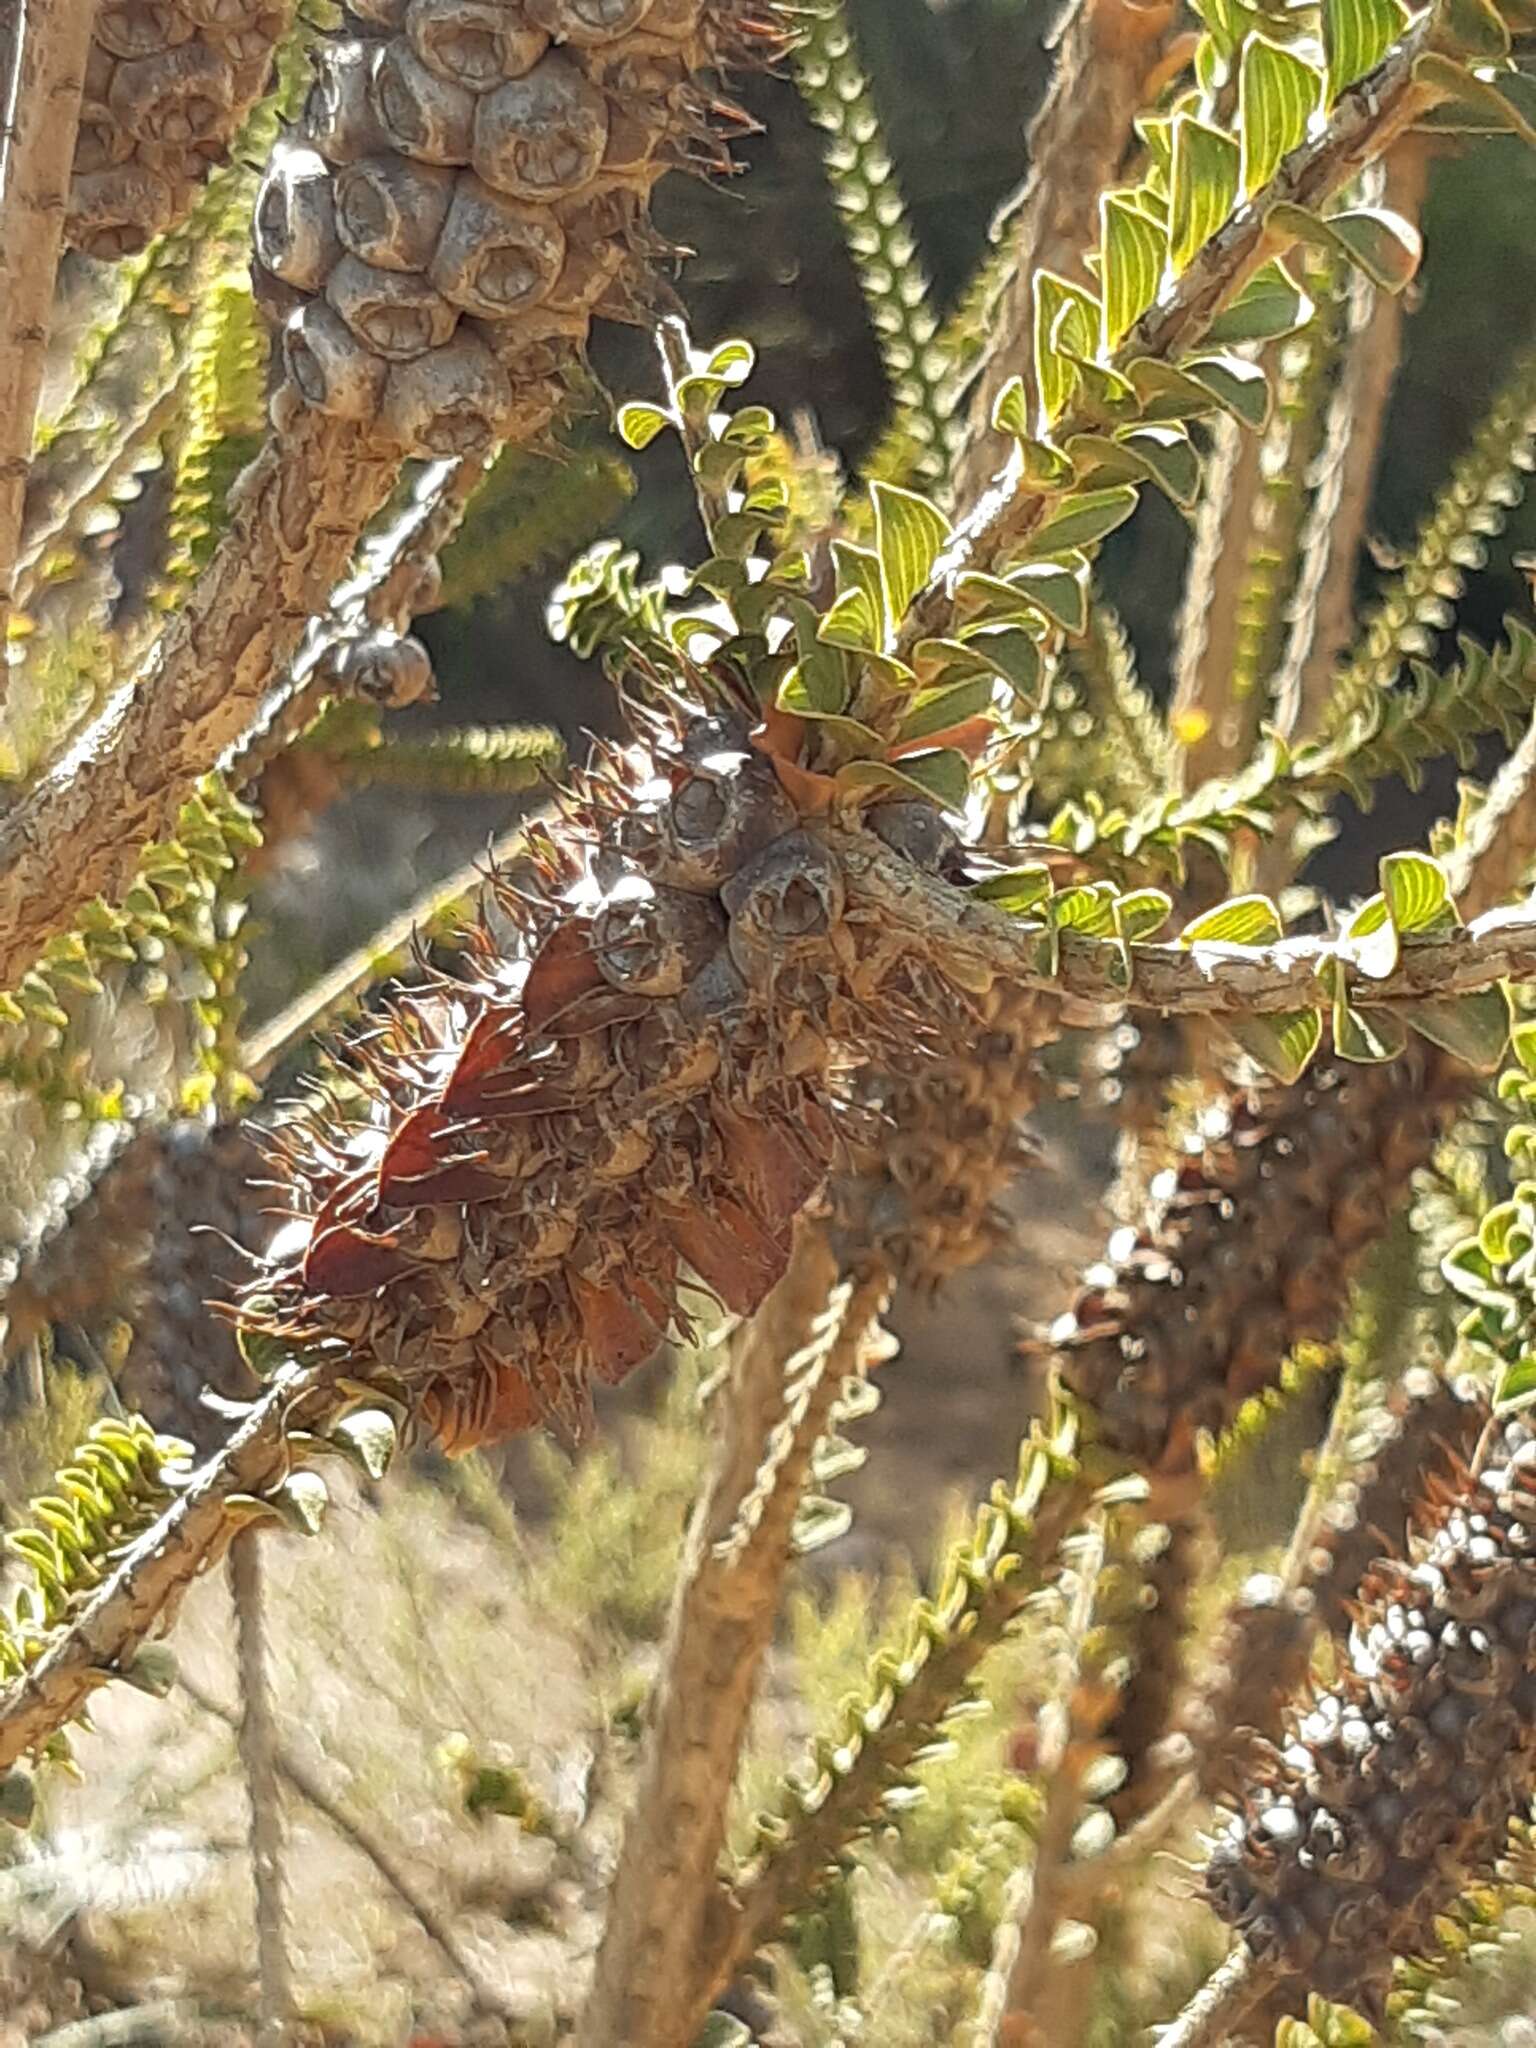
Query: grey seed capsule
[
  {"x": 295, "y": 221},
  {"x": 388, "y": 14},
  {"x": 329, "y": 367},
  {"x": 653, "y": 942},
  {"x": 455, "y": 400},
  {"x": 397, "y": 316},
  {"x": 115, "y": 212},
  {"x": 181, "y": 95},
  {"x": 99, "y": 145},
  {"x": 786, "y": 900},
  {"x": 543, "y": 136},
  {"x": 588, "y": 23},
  {"x": 137, "y": 29},
  {"x": 496, "y": 256},
  {"x": 339, "y": 114},
  {"x": 390, "y": 212},
  {"x": 387, "y": 669},
  {"x": 429, "y": 117},
  {"x": 224, "y": 15},
  {"x": 475, "y": 43}
]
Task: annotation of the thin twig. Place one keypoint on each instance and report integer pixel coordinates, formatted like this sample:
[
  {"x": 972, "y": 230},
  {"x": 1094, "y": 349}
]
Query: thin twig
[
  {"x": 257, "y": 1737},
  {"x": 652, "y": 1985},
  {"x": 315, "y": 1793},
  {"x": 1226, "y": 1995},
  {"x": 38, "y": 120}
]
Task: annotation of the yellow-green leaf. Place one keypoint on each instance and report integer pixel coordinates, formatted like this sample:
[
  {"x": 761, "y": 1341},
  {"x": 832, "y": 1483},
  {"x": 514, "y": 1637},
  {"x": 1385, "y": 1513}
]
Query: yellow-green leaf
[
  {"x": 856, "y": 617},
  {"x": 1382, "y": 244},
  {"x": 1496, "y": 101},
  {"x": 1066, "y": 323},
  {"x": 1357, "y": 34},
  {"x": 1270, "y": 305},
  {"x": 1019, "y": 890},
  {"x": 1417, "y": 892},
  {"x": 1083, "y": 519},
  {"x": 938, "y": 709},
  {"x": 1474, "y": 1028},
  {"x": 910, "y": 531},
  {"x": 1282, "y": 1045},
  {"x": 1134, "y": 254},
  {"x": 640, "y": 424},
  {"x": 1241, "y": 921},
  {"x": 1278, "y": 91},
  {"x": 1205, "y": 186}
]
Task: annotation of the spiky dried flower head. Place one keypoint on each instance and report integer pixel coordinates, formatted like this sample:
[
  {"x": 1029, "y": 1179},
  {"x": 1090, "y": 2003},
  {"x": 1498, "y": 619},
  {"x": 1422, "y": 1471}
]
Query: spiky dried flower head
[
  {"x": 1394, "y": 1787},
  {"x": 1259, "y": 1231},
  {"x": 168, "y": 85},
  {"x": 467, "y": 188},
  {"x": 521, "y": 1177}
]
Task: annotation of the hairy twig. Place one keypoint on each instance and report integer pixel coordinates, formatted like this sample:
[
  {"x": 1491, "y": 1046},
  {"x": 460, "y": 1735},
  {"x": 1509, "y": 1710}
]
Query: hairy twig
[
  {"x": 1221, "y": 2002},
  {"x": 257, "y": 1737},
  {"x": 1364, "y": 123},
  {"x": 652, "y": 1986},
  {"x": 40, "y": 111},
  {"x": 1107, "y": 55},
  {"x": 1206, "y": 648}
]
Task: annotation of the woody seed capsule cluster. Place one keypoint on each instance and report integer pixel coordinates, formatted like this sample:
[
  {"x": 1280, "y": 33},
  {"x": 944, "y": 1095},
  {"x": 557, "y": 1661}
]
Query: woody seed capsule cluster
[
  {"x": 168, "y": 84},
  {"x": 1393, "y": 1788},
  {"x": 466, "y": 189},
  {"x": 1260, "y": 1231},
  {"x": 536, "y": 1166}
]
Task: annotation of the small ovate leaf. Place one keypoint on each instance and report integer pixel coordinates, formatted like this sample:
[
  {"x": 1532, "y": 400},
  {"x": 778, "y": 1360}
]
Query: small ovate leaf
[
  {"x": 1357, "y": 34},
  {"x": 1502, "y": 1235},
  {"x": 723, "y": 2030},
  {"x": 1473, "y": 1028},
  {"x": 1382, "y": 245},
  {"x": 300, "y": 1502},
  {"x": 1010, "y": 414},
  {"x": 1269, "y": 306},
  {"x": 1502, "y": 106},
  {"x": 819, "y": 1521},
  {"x": 1278, "y": 93},
  {"x": 1141, "y": 912},
  {"x": 1282, "y": 1045},
  {"x": 640, "y": 424},
  {"x": 1170, "y": 459},
  {"x": 1224, "y": 383},
  {"x": 368, "y": 1438},
  {"x": 1058, "y": 588},
  {"x": 152, "y": 1669},
  {"x": 1134, "y": 254},
  {"x": 1516, "y": 1385},
  {"x": 1019, "y": 890},
  {"x": 1417, "y": 892},
  {"x": 951, "y": 704},
  {"x": 18, "y": 1799},
  {"x": 1241, "y": 921},
  {"x": 1083, "y": 519},
  {"x": 732, "y": 362},
  {"x": 1066, "y": 324},
  {"x": 1522, "y": 1043},
  {"x": 1011, "y": 653},
  {"x": 943, "y": 776},
  {"x": 1368, "y": 1037},
  {"x": 1477, "y": 30},
  {"x": 1369, "y": 940},
  {"x": 910, "y": 532},
  {"x": 1205, "y": 186},
  {"x": 856, "y": 617}
]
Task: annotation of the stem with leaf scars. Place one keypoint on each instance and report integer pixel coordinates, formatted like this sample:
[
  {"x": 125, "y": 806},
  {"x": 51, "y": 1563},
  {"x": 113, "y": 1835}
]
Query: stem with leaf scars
[
  {"x": 651, "y": 1989},
  {"x": 1365, "y": 122},
  {"x": 257, "y": 1737},
  {"x": 39, "y": 113},
  {"x": 1108, "y": 55}
]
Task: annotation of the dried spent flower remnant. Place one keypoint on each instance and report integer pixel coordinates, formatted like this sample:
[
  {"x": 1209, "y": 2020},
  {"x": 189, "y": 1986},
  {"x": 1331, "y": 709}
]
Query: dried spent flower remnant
[
  {"x": 1395, "y": 1786},
  {"x": 168, "y": 85},
  {"x": 466, "y": 190},
  {"x": 1261, "y": 1231},
  {"x": 510, "y": 1203}
]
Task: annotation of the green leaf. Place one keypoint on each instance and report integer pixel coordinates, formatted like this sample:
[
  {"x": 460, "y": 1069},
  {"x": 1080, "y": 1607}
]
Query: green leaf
[
  {"x": 1383, "y": 245},
  {"x": 1083, "y": 519},
  {"x": 1224, "y": 383},
  {"x": 1357, "y": 34},
  {"x": 1134, "y": 254},
  {"x": 1141, "y": 912},
  {"x": 1205, "y": 186},
  {"x": 1470, "y": 1272},
  {"x": 819, "y": 682},
  {"x": 1282, "y": 1045},
  {"x": 1369, "y": 939},
  {"x": 1277, "y": 94},
  {"x": 300, "y": 1501},
  {"x": 1473, "y": 1028},
  {"x": 1011, "y": 653},
  {"x": 1169, "y": 457},
  {"x": 1368, "y": 1037},
  {"x": 732, "y": 362},
  {"x": 856, "y": 617},
  {"x": 943, "y": 776},
  {"x": 1504, "y": 104},
  {"x": 1010, "y": 412},
  {"x": 1019, "y": 890},
  {"x": 1503, "y": 1234},
  {"x": 153, "y": 1669},
  {"x": 1269, "y": 305},
  {"x": 1417, "y": 892},
  {"x": 1516, "y": 1385},
  {"x": 369, "y": 1438},
  {"x": 1241, "y": 921},
  {"x": 723, "y": 2030},
  {"x": 640, "y": 424},
  {"x": 1522, "y": 1043},
  {"x": 1476, "y": 29},
  {"x": 950, "y": 704},
  {"x": 18, "y": 1798},
  {"x": 1066, "y": 324},
  {"x": 1058, "y": 588},
  {"x": 910, "y": 531}
]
